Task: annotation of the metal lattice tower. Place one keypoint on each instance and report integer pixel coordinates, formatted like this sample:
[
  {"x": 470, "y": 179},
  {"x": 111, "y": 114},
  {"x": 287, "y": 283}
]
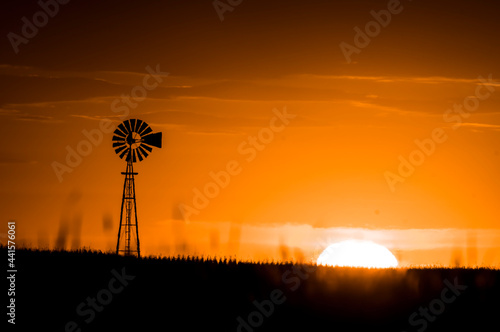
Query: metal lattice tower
[
  {"x": 129, "y": 222},
  {"x": 134, "y": 140}
]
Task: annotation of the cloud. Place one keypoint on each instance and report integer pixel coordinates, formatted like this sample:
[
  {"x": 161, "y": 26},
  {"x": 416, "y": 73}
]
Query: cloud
[
  {"x": 375, "y": 106},
  {"x": 23, "y": 116},
  {"x": 35, "y": 89},
  {"x": 4, "y": 111},
  {"x": 37, "y": 118},
  {"x": 11, "y": 160},
  {"x": 30, "y": 71},
  {"x": 32, "y": 85},
  {"x": 394, "y": 79},
  {"x": 57, "y": 95},
  {"x": 309, "y": 237},
  {"x": 214, "y": 132},
  {"x": 481, "y": 126}
]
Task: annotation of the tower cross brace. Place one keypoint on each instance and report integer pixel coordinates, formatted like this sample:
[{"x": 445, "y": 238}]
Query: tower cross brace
[{"x": 128, "y": 232}]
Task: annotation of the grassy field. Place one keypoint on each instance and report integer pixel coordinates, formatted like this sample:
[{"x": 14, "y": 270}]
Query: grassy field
[{"x": 90, "y": 291}]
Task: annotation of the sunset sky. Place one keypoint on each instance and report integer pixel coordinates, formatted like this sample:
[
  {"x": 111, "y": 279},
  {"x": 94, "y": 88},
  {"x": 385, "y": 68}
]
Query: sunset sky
[{"x": 331, "y": 172}]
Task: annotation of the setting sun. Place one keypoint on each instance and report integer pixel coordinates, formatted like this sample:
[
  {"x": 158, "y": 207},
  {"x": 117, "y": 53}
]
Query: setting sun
[{"x": 357, "y": 253}]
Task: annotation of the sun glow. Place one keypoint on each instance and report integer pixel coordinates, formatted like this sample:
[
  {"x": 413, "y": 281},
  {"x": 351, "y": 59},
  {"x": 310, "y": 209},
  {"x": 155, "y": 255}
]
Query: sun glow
[{"x": 357, "y": 253}]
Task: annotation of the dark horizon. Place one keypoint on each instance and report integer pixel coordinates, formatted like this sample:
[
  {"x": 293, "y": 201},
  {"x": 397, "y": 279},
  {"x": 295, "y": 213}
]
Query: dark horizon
[{"x": 287, "y": 127}]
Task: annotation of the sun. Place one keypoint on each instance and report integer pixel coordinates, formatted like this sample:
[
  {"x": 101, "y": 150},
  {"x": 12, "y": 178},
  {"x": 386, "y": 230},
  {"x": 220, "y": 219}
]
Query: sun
[{"x": 357, "y": 253}]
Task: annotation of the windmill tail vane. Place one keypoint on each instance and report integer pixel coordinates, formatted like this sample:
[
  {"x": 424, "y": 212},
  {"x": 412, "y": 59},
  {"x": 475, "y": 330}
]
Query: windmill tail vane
[{"x": 133, "y": 140}]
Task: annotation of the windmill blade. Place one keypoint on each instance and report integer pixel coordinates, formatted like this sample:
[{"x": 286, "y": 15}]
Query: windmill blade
[
  {"x": 133, "y": 124},
  {"x": 120, "y": 149},
  {"x": 147, "y": 147},
  {"x": 124, "y": 152},
  {"x": 123, "y": 129},
  {"x": 146, "y": 131},
  {"x": 118, "y": 138},
  {"x": 143, "y": 127},
  {"x": 127, "y": 125},
  {"x": 129, "y": 156},
  {"x": 118, "y": 132},
  {"x": 118, "y": 144},
  {"x": 138, "y": 125},
  {"x": 141, "y": 158},
  {"x": 153, "y": 140},
  {"x": 143, "y": 151}
]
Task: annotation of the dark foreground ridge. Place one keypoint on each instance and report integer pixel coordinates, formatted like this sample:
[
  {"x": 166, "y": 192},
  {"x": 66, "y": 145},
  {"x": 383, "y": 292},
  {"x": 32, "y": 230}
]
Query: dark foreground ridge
[{"x": 90, "y": 291}]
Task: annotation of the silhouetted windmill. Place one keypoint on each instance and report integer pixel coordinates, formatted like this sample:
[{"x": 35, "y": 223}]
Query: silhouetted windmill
[{"x": 133, "y": 140}]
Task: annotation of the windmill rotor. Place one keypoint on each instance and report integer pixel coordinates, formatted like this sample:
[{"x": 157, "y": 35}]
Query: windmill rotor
[{"x": 133, "y": 140}]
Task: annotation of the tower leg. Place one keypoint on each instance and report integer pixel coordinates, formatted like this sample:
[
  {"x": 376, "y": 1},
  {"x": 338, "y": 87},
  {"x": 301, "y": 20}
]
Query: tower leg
[
  {"x": 121, "y": 215},
  {"x": 136, "y": 223}
]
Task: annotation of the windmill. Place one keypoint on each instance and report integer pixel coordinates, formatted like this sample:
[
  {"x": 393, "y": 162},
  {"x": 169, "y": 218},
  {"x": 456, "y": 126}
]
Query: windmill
[{"x": 133, "y": 140}]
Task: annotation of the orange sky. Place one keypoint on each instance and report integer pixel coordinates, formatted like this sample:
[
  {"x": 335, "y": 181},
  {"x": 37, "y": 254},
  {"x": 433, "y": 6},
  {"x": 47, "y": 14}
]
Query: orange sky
[{"x": 321, "y": 178}]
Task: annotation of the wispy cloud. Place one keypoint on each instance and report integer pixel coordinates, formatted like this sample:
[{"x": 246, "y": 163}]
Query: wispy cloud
[
  {"x": 215, "y": 132},
  {"x": 317, "y": 238},
  {"x": 395, "y": 79},
  {"x": 481, "y": 126},
  {"x": 9, "y": 160},
  {"x": 18, "y": 115},
  {"x": 37, "y": 118}
]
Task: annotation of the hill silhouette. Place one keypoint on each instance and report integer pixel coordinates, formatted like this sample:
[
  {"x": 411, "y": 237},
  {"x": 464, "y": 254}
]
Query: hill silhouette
[{"x": 94, "y": 291}]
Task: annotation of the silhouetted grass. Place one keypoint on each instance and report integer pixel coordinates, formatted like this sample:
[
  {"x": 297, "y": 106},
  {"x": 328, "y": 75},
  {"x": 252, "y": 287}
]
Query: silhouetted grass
[{"x": 209, "y": 293}]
